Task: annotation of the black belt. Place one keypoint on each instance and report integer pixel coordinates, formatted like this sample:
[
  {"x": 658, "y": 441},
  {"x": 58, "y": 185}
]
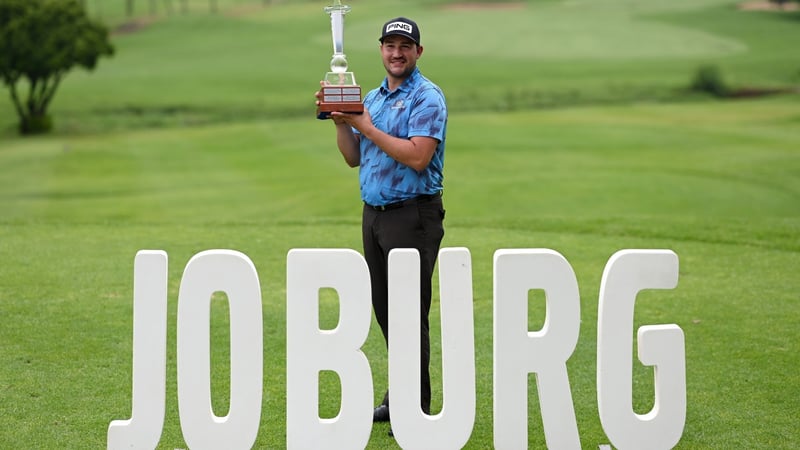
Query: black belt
[{"x": 418, "y": 199}]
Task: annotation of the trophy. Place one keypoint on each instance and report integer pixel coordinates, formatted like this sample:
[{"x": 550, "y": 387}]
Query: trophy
[{"x": 340, "y": 91}]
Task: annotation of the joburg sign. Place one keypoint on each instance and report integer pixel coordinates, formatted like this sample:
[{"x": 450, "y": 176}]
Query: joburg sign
[{"x": 517, "y": 351}]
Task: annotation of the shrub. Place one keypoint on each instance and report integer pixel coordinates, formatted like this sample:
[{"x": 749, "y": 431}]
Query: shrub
[{"x": 708, "y": 79}]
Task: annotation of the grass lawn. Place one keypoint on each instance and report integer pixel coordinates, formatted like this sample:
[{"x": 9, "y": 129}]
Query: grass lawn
[
  {"x": 585, "y": 145},
  {"x": 722, "y": 193}
]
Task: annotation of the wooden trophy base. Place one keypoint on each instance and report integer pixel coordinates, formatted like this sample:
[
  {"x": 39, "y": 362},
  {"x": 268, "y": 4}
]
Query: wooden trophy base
[{"x": 342, "y": 98}]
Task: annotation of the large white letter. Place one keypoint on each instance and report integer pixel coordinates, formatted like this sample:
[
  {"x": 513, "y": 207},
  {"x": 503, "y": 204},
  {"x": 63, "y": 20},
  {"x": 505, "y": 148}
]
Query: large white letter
[
  {"x": 143, "y": 429},
  {"x": 451, "y": 428},
  {"x": 310, "y": 350},
  {"x": 626, "y": 273},
  {"x": 518, "y": 352},
  {"x": 233, "y": 273}
]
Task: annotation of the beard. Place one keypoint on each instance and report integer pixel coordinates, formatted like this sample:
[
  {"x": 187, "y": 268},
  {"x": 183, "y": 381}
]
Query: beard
[{"x": 399, "y": 72}]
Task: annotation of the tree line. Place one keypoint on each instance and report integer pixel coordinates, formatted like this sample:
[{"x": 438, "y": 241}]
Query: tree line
[
  {"x": 130, "y": 10},
  {"x": 133, "y": 7}
]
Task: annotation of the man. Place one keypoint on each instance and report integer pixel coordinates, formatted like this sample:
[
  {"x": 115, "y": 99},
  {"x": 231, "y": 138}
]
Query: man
[{"x": 398, "y": 144}]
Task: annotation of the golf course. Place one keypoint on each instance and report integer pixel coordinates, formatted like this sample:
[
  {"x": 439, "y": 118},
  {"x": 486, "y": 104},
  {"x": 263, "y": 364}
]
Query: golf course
[{"x": 574, "y": 125}]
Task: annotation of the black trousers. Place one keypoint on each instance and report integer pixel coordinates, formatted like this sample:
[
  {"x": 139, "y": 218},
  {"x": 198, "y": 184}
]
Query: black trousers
[{"x": 418, "y": 224}]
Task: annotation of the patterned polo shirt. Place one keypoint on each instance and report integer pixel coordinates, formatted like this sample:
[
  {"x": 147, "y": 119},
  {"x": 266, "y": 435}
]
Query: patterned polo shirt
[{"x": 416, "y": 108}]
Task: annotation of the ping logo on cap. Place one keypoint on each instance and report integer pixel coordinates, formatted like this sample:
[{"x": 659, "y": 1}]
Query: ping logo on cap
[{"x": 399, "y": 26}]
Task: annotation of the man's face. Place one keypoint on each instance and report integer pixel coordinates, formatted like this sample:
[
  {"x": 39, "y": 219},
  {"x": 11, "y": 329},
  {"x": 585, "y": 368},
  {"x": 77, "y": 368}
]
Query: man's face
[{"x": 400, "y": 55}]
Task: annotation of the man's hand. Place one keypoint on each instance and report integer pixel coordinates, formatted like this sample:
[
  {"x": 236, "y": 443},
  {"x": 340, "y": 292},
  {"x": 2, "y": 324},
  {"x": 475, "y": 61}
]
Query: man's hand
[
  {"x": 318, "y": 94},
  {"x": 360, "y": 122},
  {"x": 415, "y": 152}
]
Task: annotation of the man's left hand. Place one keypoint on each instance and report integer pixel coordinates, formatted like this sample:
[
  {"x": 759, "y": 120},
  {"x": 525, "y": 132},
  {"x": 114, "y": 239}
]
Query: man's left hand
[{"x": 358, "y": 121}]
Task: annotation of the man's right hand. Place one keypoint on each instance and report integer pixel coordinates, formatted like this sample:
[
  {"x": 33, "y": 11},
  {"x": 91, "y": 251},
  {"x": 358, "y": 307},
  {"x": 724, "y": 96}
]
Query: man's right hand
[{"x": 318, "y": 95}]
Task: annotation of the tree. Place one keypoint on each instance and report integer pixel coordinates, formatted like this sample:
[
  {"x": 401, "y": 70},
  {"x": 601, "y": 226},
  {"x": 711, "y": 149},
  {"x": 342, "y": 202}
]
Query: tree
[
  {"x": 782, "y": 4},
  {"x": 40, "y": 41}
]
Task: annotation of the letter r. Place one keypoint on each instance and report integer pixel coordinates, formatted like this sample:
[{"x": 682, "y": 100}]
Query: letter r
[{"x": 517, "y": 351}]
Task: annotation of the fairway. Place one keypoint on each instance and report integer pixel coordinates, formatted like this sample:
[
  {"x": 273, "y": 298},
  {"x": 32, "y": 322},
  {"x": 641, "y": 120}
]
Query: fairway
[
  {"x": 570, "y": 129},
  {"x": 585, "y": 30}
]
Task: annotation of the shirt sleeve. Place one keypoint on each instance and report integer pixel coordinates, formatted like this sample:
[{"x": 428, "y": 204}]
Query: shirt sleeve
[{"x": 429, "y": 114}]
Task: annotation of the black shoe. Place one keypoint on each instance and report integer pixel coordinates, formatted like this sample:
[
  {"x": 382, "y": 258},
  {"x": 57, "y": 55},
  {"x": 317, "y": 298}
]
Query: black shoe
[{"x": 381, "y": 413}]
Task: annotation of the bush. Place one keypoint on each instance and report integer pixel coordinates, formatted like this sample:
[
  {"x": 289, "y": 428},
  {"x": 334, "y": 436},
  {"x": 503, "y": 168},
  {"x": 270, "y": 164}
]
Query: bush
[{"x": 708, "y": 79}]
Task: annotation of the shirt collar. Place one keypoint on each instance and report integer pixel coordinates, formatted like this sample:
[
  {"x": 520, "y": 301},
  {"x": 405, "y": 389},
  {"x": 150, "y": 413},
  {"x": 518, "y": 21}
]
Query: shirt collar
[{"x": 404, "y": 86}]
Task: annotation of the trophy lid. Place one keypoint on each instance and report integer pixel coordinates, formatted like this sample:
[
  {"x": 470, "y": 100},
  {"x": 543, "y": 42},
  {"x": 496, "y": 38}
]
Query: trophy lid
[{"x": 337, "y": 6}]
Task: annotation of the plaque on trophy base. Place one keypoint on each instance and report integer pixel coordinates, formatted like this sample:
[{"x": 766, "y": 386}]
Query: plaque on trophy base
[{"x": 339, "y": 91}]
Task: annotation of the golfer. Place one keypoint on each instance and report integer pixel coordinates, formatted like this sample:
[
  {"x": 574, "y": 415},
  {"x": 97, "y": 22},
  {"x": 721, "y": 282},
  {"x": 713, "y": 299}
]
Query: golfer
[{"x": 398, "y": 145}]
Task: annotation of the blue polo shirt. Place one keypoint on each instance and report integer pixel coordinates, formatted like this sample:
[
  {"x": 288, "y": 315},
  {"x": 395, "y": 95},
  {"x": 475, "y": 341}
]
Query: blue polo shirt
[{"x": 416, "y": 108}]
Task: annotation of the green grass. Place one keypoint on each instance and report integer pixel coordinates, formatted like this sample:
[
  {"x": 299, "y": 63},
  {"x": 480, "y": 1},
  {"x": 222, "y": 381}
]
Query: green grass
[
  {"x": 248, "y": 63},
  {"x": 77, "y": 209},
  {"x": 199, "y": 134}
]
